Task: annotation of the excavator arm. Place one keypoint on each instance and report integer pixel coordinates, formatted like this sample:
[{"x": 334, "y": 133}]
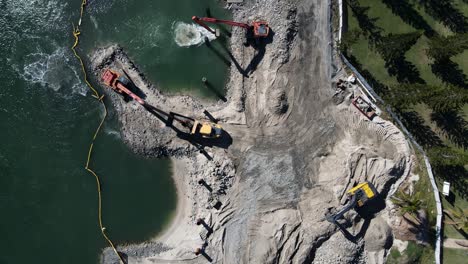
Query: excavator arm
[
  {"x": 201, "y": 20},
  {"x": 359, "y": 195},
  {"x": 259, "y": 29},
  {"x": 352, "y": 203}
]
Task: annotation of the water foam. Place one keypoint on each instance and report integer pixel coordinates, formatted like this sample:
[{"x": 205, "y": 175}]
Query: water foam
[
  {"x": 186, "y": 35},
  {"x": 52, "y": 70},
  {"x": 113, "y": 133}
]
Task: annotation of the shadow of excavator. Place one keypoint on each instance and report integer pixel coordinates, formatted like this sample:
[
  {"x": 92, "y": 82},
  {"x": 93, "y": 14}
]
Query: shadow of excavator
[
  {"x": 182, "y": 125},
  {"x": 366, "y": 213},
  {"x": 365, "y": 200},
  {"x": 201, "y": 134},
  {"x": 259, "y": 44}
]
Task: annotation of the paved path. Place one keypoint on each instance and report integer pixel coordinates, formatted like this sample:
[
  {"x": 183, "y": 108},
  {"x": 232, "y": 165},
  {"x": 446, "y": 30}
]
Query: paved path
[{"x": 452, "y": 243}]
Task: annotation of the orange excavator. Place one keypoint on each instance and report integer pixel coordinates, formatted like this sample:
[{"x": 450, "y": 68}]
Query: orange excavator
[
  {"x": 260, "y": 29},
  {"x": 119, "y": 84}
]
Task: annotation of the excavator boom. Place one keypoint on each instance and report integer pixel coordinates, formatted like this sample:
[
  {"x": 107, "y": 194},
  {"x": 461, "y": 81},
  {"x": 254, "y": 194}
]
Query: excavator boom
[
  {"x": 334, "y": 218},
  {"x": 200, "y": 20},
  {"x": 260, "y": 28}
]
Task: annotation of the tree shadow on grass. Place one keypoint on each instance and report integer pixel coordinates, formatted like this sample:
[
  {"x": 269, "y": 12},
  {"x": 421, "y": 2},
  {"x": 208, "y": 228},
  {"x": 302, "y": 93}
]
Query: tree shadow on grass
[
  {"x": 422, "y": 133},
  {"x": 409, "y": 15},
  {"x": 379, "y": 87},
  {"x": 403, "y": 70},
  {"x": 445, "y": 12},
  {"x": 455, "y": 127},
  {"x": 456, "y": 175},
  {"x": 367, "y": 24},
  {"x": 449, "y": 72}
]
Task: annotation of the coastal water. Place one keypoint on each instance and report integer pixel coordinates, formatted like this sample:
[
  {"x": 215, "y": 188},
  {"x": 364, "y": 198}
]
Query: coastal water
[{"x": 48, "y": 202}]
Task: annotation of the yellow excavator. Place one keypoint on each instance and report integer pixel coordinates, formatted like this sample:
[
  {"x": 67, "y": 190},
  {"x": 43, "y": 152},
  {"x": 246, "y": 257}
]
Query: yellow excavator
[
  {"x": 358, "y": 197},
  {"x": 206, "y": 129}
]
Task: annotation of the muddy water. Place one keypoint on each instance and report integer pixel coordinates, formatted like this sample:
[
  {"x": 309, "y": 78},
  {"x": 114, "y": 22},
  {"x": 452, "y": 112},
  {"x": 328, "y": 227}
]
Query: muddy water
[{"x": 48, "y": 202}]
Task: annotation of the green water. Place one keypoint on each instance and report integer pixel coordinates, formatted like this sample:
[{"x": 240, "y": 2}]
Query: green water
[
  {"x": 145, "y": 29},
  {"x": 48, "y": 202}
]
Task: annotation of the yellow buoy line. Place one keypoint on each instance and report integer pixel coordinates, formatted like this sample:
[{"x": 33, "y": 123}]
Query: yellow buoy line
[{"x": 76, "y": 34}]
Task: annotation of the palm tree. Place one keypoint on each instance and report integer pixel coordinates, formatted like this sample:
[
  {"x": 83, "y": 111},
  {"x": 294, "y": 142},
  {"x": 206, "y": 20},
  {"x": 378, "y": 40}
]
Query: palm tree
[
  {"x": 407, "y": 204},
  {"x": 458, "y": 218}
]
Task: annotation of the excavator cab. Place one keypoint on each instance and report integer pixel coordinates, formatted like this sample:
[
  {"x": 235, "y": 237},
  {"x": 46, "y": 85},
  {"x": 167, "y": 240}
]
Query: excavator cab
[
  {"x": 363, "y": 192},
  {"x": 261, "y": 29},
  {"x": 359, "y": 196},
  {"x": 120, "y": 84},
  {"x": 206, "y": 130},
  {"x": 109, "y": 77}
]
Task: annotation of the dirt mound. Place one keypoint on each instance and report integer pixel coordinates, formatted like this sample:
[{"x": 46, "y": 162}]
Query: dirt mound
[{"x": 378, "y": 236}]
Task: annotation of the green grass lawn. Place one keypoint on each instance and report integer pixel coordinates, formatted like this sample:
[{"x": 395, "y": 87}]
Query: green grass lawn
[
  {"x": 391, "y": 23},
  {"x": 455, "y": 256},
  {"x": 462, "y": 60},
  {"x": 383, "y": 17},
  {"x": 450, "y": 203}
]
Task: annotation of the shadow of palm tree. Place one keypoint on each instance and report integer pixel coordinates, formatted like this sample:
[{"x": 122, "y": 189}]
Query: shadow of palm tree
[{"x": 454, "y": 126}]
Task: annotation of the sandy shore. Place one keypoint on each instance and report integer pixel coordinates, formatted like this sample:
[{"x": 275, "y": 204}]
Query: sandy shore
[{"x": 183, "y": 209}]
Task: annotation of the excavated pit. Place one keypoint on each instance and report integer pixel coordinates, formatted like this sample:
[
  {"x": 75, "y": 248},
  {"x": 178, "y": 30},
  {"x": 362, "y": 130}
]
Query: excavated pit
[{"x": 290, "y": 152}]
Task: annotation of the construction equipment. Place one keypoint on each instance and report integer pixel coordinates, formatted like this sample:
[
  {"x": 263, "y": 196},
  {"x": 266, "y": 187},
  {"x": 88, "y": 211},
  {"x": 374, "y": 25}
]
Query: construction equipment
[
  {"x": 259, "y": 29},
  {"x": 358, "y": 197},
  {"x": 364, "y": 107},
  {"x": 119, "y": 83},
  {"x": 204, "y": 129}
]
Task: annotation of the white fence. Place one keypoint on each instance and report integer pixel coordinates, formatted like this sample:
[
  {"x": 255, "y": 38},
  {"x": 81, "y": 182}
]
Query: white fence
[{"x": 376, "y": 97}]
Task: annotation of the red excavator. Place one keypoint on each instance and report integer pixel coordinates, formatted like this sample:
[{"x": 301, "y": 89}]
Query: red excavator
[
  {"x": 260, "y": 29},
  {"x": 119, "y": 84}
]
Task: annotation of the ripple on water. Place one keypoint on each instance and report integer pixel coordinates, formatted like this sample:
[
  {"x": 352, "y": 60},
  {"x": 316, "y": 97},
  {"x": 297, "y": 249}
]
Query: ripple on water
[
  {"x": 35, "y": 16},
  {"x": 34, "y": 29}
]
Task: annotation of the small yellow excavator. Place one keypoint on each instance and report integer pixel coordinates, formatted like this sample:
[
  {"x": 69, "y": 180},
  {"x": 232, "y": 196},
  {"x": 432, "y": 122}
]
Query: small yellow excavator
[{"x": 358, "y": 197}]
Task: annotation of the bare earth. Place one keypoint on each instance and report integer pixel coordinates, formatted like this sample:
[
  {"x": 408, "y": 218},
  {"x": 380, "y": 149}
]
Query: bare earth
[{"x": 293, "y": 148}]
